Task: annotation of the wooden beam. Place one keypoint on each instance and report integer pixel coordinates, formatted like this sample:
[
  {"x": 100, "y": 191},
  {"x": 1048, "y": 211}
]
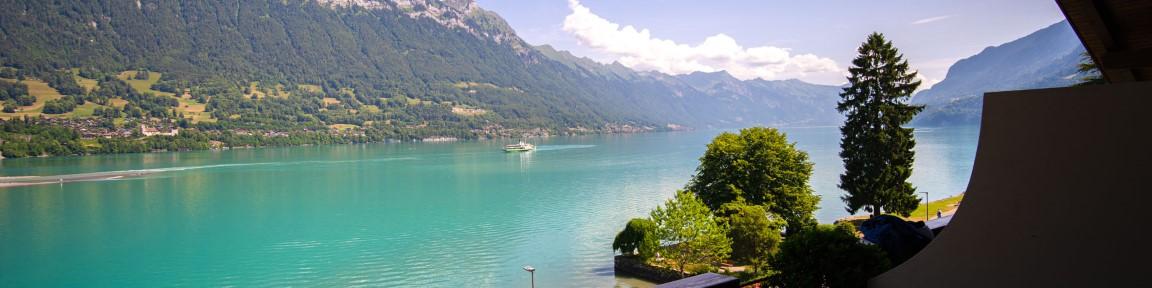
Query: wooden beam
[
  {"x": 1095, "y": 33},
  {"x": 1126, "y": 59}
]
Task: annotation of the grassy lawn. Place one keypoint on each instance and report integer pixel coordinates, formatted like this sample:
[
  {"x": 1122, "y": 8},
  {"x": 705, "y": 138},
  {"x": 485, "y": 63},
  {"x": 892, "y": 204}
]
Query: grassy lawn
[
  {"x": 413, "y": 101},
  {"x": 310, "y": 88},
  {"x": 84, "y": 110},
  {"x": 348, "y": 91},
  {"x": 118, "y": 102},
  {"x": 280, "y": 91},
  {"x": 254, "y": 87},
  {"x": 342, "y": 127},
  {"x": 194, "y": 111},
  {"x": 946, "y": 204},
  {"x": 468, "y": 111},
  {"x": 88, "y": 84},
  {"x": 42, "y": 92},
  {"x": 368, "y": 109},
  {"x": 143, "y": 86},
  {"x": 90, "y": 143},
  {"x": 463, "y": 85}
]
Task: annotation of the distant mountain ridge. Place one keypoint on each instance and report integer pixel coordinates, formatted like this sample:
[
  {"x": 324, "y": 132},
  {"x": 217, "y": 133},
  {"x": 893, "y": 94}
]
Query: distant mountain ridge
[
  {"x": 1045, "y": 58},
  {"x": 721, "y": 99},
  {"x": 430, "y": 68}
]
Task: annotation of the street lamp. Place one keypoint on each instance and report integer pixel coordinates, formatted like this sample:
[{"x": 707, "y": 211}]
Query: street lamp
[
  {"x": 531, "y": 270},
  {"x": 926, "y": 212}
]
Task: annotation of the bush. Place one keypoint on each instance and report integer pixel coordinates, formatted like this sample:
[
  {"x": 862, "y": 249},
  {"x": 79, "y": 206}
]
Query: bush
[
  {"x": 754, "y": 232},
  {"x": 63, "y": 82},
  {"x": 638, "y": 238},
  {"x": 827, "y": 256},
  {"x": 16, "y": 91},
  {"x": 164, "y": 87},
  {"x": 60, "y": 106},
  {"x": 7, "y": 72},
  {"x": 141, "y": 75}
]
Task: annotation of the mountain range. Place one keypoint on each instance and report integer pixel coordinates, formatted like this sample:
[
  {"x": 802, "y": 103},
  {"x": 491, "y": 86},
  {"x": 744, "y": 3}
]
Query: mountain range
[
  {"x": 422, "y": 68},
  {"x": 442, "y": 56},
  {"x": 1043, "y": 59}
]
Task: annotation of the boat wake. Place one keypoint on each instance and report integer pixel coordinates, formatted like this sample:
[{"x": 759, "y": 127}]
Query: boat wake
[
  {"x": 140, "y": 173},
  {"x": 561, "y": 147}
]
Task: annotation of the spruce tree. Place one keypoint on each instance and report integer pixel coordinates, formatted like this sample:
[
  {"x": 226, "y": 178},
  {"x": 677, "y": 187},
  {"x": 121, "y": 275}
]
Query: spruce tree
[{"x": 876, "y": 148}]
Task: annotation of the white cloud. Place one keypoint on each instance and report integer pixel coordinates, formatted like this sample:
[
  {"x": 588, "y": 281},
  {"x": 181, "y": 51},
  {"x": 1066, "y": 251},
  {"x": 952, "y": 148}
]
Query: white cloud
[
  {"x": 926, "y": 83},
  {"x": 637, "y": 49},
  {"x": 930, "y": 19}
]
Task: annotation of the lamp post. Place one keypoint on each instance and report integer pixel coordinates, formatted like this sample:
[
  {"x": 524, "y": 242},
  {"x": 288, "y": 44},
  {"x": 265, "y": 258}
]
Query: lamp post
[
  {"x": 531, "y": 270},
  {"x": 926, "y": 212}
]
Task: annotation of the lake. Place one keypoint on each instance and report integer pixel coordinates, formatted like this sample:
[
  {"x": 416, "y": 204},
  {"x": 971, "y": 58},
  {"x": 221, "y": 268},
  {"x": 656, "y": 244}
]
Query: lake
[{"x": 411, "y": 214}]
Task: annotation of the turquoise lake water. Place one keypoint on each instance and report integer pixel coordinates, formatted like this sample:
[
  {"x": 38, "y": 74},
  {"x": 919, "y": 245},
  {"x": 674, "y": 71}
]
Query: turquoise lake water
[{"x": 421, "y": 215}]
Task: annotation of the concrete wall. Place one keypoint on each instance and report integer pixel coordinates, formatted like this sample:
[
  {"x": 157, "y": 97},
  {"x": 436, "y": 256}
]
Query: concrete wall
[{"x": 1060, "y": 195}]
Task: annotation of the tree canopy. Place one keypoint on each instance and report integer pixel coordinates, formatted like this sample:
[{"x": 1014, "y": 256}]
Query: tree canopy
[
  {"x": 638, "y": 238},
  {"x": 757, "y": 166},
  {"x": 755, "y": 233},
  {"x": 876, "y": 148},
  {"x": 827, "y": 256},
  {"x": 689, "y": 234},
  {"x": 1091, "y": 73}
]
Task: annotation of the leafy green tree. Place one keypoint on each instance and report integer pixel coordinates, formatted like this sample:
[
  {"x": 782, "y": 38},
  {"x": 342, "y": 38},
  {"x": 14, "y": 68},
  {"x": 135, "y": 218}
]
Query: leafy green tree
[
  {"x": 689, "y": 234},
  {"x": 757, "y": 166},
  {"x": 876, "y": 148},
  {"x": 10, "y": 106},
  {"x": 755, "y": 233},
  {"x": 827, "y": 256},
  {"x": 1091, "y": 73},
  {"x": 59, "y": 106},
  {"x": 141, "y": 75},
  {"x": 638, "y": 238}
]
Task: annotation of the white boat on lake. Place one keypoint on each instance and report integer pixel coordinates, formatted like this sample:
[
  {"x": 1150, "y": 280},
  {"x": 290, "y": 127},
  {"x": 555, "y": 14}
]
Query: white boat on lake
[{"x": 519, "y": 147}]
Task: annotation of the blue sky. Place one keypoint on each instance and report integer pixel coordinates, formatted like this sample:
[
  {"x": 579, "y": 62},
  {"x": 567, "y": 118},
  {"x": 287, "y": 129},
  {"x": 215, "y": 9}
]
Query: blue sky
[{"x": 809, "y": 40}]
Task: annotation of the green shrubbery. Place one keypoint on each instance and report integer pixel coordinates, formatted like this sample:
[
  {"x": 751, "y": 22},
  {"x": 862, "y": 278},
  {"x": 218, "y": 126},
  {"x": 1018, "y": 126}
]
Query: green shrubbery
[
  {"x": 62, "y": 105},
  {"x": 756, "y": 184},
  {"x": 755, "y": 234},
  {"x": 638, "y": 238},
  {"x": 17, "y": 93},
  {"x": 826, "y": 256}
]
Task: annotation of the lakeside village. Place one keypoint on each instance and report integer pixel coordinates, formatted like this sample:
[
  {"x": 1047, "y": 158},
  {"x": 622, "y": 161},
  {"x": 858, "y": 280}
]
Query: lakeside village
[{"x": 91, "y": 128}]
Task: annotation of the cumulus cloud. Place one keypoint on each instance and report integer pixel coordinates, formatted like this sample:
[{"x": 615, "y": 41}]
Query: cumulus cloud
[
  {"x": 930, "y": 19},
  {"x": 638, "y": 49},
  {"x": 926, "y": 83}
]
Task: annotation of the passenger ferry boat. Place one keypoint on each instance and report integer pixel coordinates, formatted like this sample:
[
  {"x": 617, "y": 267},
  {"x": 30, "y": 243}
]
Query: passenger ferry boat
[{"x": 519, "y": 147}]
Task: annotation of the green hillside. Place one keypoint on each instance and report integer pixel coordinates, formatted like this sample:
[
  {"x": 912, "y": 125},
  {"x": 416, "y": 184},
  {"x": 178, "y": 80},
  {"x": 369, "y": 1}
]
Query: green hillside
[{"x": 394, "y": 71}]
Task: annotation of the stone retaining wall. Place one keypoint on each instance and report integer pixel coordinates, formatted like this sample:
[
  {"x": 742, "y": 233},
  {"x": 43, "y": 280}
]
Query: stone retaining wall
[{"x": 632, "y": 266}]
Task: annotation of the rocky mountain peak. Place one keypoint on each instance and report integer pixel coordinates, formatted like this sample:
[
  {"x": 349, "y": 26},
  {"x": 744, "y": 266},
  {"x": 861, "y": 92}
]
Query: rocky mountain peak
[{"x": 455, "y": 14}]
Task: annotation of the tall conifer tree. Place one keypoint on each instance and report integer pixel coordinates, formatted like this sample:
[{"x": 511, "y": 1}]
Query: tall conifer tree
[{"x": 876, "y": 148}]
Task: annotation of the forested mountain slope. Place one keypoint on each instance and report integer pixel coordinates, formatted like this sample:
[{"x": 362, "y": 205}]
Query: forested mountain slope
[
  {"x": 1045, "y": 58},
  {"x": 377, "y": 70}
]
